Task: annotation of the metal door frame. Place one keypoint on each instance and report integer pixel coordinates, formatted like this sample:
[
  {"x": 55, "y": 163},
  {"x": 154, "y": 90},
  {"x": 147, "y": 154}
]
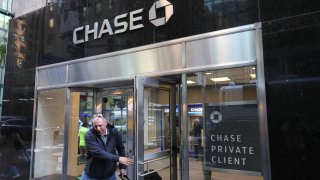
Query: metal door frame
[
  {"x": 140, "y": 160},
  {"x": 129, "y": 91},
  {"x": 96, "y": 93}
]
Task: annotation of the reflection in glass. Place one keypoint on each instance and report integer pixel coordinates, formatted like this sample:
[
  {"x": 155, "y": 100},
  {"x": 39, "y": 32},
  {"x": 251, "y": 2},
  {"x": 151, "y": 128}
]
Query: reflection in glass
[
  {"x": 81, "y": 111},
  {"x": 115, "y": 110},
  {"x": 86, "y": 110},
  {"x": 49, "y": 134},
  {"x": 117, "y": 106},
  {"x": 223, "y": 126},
  {"x": 156, "y": 129},
  {"x": 156, "y": 132}
]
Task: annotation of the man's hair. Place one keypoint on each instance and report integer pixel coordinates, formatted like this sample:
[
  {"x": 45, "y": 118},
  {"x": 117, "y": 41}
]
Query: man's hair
[{"x": 99, "y": 116}]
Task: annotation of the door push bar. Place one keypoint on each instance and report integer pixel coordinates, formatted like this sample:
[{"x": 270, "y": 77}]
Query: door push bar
[{"x": 152, "y": 160}]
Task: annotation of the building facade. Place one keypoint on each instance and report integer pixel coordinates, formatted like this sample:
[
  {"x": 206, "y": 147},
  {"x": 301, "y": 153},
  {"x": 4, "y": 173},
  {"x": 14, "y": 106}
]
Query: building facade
[
  {"x": 5, "y": 8},
  {"x": 198, "y": 89}
]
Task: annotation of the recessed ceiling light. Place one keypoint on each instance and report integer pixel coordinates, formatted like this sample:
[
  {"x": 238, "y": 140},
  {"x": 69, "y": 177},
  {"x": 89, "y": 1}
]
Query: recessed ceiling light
[
  {"x": 220, "y": 79},
  {"x": 190, "y": 82},
  {"x": 253, "y": 75}
]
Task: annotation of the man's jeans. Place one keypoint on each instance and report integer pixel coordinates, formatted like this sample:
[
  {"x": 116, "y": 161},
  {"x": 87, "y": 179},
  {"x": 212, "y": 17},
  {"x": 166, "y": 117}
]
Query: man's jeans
[{"x": 84, "y": 176}]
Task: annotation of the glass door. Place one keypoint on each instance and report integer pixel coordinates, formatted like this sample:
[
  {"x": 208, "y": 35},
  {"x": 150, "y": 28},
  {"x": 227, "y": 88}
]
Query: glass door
[
  {"x": 81, "y": 109},
  {"x": 116, "y": 105},
  {"x": 156, "y": 134},
  {"x": 49, "y": 135}
]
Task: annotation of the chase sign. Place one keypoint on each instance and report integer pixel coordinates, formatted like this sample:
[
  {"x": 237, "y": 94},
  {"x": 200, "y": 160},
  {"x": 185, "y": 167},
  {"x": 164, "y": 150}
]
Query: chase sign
[{"x": 121, "y": 25}]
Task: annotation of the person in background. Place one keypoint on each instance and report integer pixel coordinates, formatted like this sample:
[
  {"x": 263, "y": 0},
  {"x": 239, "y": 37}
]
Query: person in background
[
  {"x": 102, "y": 142},
  {"x": 11, "y": 143},
  {"x": 197, "y": 127},
  {"x": 82, "y": 144}
]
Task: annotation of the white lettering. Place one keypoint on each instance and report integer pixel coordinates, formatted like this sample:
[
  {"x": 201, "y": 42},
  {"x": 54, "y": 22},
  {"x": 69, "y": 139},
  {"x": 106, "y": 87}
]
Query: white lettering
[
  {"x": 228, "y": 160},
  {"x": 251, "y": 150},
  {"x": 212, "y": 137},
  {"x": 88, "y": 31},
  {"x": 232, "y": 149},
  {"x": 219, "y": 137},
  {"x": 239, "y": 138},
  {"x": 239, "y": 151},
  {"x": 213, "y": 159},
  {"x": 226, "y": 138},
  {"x": 105, "y": 28},
  {"x": 196, "y": 109},
  {"x": 75, "y": 36},
  {"x": 134, "y": 19},
  {"x": 123, "y": 24},
  {"x": 237, "y": 161},
  {"x": 213, "y": 148},
  {"x": 232, "y": 139}
]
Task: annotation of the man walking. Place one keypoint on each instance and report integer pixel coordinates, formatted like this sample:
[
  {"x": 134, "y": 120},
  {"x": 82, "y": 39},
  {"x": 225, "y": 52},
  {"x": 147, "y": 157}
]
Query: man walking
[{"x": 102, "y": 141}]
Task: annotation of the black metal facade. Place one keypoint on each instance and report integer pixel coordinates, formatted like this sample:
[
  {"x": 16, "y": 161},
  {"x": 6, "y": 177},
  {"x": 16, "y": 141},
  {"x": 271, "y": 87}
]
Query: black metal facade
[{"x": 290, "y": 46}]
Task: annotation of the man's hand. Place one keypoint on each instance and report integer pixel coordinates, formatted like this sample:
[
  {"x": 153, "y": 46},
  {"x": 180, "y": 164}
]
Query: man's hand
[{"x": 125, "y": 161}]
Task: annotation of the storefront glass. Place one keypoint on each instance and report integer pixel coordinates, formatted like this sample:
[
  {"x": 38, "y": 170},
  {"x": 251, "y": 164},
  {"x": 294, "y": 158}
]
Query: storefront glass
[
  {"x": 224, "y": 140},
  {"x": 156, "y": 133},
  {"x": 49, "y": 133},
  {"x": 114, "y": 105},
  {"x": 81, "y": 111}
]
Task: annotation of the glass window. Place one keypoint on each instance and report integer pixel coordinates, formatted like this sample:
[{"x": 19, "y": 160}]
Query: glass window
[
  {"x": 115, "y": 110},
  {"x": 5, "y": 4},
  {"x": 15, "y": 36},
  {"x": 19, "y": 62},
  {"x": 6, "y": 22},
  {"x": 223, "y": 125},
  {"x": 156, "y": 129},
  {"x": 156, "y": 132},
  {"x": 115, "y": 105},
  {"x": 98, "y": 8},
  {"x": 51, "y": 22},
  {"x": 110, "y": 4},
  {"x": 22, "y": 49},
  {"x": 81, "y": 111},
  {"x": 23, "y": 27},
  {"x": 22, "y": 38},
  {"x": 49, "y": 134},
  {"x": 2, "y": 21}
]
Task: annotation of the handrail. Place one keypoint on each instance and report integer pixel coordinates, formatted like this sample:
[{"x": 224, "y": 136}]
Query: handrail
[
  {"x": 150, "y": 172},
  {"x": 152, "y": 160}
]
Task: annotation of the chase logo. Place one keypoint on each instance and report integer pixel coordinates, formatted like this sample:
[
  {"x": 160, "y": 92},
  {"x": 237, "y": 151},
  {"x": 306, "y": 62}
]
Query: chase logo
[
  {"x": 123, "y": 23},
  {"x": 215, "y": 117},
  {"x": 153, "y": 12}
]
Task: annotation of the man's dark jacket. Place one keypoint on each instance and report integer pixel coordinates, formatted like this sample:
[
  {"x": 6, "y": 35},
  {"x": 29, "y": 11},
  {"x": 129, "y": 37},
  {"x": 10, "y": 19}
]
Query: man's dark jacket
[{"x": 101, "y": 161}]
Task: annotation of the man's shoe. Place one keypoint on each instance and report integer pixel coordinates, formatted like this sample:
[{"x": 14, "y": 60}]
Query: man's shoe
[{"x": 16, "y": 176}]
